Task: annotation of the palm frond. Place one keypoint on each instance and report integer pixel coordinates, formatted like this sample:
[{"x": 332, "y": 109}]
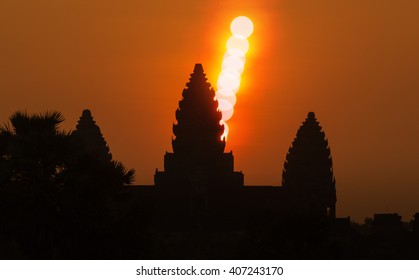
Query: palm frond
[
  {"x": 126, "y": 176},
  {"x": 6, "y": 130},
  {"x": 21, "y": 122}
]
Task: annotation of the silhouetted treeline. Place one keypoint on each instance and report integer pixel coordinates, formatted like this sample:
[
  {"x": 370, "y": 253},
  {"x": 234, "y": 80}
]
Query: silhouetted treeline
[{"x": 56, "y": 189}]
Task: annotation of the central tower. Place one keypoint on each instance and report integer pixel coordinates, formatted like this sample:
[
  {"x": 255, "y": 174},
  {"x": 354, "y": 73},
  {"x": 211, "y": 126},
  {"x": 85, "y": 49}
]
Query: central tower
[
  {"x": 198, "y": 160},
  {"x": 198, "y": 131}
]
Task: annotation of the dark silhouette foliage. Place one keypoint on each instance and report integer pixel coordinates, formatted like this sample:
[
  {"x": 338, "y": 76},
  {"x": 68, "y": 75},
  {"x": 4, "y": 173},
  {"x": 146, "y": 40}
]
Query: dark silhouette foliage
[
  {"x": 56, "y": 188},
  {"x": 34, "y": 156},
  {"x": 33, "y": 148}
]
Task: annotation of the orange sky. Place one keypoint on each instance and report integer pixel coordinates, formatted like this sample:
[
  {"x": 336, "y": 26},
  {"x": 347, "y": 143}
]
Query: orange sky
[{"x": 354, "y": 63}]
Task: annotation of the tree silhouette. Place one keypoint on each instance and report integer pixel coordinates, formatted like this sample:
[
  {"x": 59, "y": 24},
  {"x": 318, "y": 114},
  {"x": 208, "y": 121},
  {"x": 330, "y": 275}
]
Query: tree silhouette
[
  {"x": 34, "y": 153},
  {"x": 56, "y": 188},
  {"x": 34, "y": 147},
  {"x": 308, "y": 170}
]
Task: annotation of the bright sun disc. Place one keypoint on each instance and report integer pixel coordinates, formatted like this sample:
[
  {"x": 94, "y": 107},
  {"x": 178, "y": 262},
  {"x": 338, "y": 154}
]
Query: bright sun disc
[
  {"x": 228, "y": 82},
  {"x": 230, "y": 98},
  {"x": 224, "y": 105},
  {"x": 241, "y": 27},
  {"x": 225, "y": 92},
  {"x": 225, "y": 134},
  {"x": 234, "y": 63},
  {"x": 232, "y": 67},
  {"x": 230, "y": 71},
  {"x": 237, "y": 46},
  {"x": 241, "y": 58},
  {"x": 227, "y": 114}
]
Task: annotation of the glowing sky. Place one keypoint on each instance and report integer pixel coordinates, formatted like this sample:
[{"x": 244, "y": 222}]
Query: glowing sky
[{"x": 354, "y": 63}]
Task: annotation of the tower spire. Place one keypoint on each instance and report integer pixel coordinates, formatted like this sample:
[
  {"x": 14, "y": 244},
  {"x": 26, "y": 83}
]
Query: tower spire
[
  {"x": 91, "y": 138},
  {"x": 308, "y": 169},
  {"x": 198, "y": 150},
  {"x": 198, "y": 128}
]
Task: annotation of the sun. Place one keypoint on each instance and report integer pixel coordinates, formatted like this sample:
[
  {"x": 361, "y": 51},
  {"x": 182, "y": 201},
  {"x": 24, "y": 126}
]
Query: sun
[
  {"x": 232, "y": 67},
  {"x": 241, "y": 27}
]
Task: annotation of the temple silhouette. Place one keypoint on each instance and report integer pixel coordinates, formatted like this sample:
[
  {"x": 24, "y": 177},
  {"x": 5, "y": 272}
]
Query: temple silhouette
[
  {"x": 63, "y": 196},
  {"x": 200, "y": 187}
]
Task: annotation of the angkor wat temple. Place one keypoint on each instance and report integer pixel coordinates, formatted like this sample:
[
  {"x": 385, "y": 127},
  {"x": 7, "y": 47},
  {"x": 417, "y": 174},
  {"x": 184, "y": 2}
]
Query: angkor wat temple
[
  {"x": 199, "y": 184},
  {"x": 63, "y": 196}
]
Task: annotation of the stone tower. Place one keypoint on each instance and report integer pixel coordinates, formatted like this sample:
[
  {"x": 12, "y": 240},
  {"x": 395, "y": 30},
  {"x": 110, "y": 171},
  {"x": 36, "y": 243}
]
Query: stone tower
[
  {"x": 308, "y": 171},
  {"x": 90, "y": 137},
  {"x": 198, "y": 163}
]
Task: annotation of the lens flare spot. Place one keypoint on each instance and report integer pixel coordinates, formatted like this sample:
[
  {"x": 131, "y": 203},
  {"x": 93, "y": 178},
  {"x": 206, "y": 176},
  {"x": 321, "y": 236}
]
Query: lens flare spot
[{"x": 241, "y": 27}]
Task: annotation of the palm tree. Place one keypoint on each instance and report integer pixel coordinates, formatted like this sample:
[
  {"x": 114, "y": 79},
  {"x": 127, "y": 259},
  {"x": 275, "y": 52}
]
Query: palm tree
[
  {"x": 33, "y": 156},
  {"x": 55, "y": 190},
  {"x": 33, "y": 148},
  {"x": 126, "y": 177}
]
